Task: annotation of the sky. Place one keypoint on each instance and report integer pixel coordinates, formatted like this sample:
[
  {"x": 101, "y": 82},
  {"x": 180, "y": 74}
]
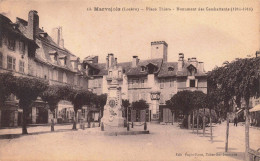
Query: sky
[{"x": 211, "y": 36}]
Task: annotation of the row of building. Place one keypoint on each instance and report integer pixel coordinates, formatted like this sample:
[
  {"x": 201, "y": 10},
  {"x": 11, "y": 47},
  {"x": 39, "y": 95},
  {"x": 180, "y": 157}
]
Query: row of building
[{"x": 27, "y": 50}]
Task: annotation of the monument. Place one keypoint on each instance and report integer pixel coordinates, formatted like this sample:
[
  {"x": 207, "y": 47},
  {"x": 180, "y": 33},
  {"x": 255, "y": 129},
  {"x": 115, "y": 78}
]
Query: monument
[{"x": 112, "y": 116}]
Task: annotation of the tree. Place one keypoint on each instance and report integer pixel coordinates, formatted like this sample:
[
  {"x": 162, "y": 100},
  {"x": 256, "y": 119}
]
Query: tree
[
  {"x": 140, "y": 105},
  {"x": 101, "y": 102},
  {"x": 170, "y": 106},
  {"x": 52, "y": 96},
  {"x": 78, "y": 98},
  {"x": 27, "y": 90},
  {"x": 126, "y": 104},
  {"x": 182, "y": 101},
  {"x": 6, "y": 86},
  {"x": 199, "y": 101},
  {"x": 238, "y": 80}
]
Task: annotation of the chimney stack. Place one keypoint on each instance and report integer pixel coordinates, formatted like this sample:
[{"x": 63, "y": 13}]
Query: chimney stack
[
  {"x": 33, "y": 25},
  {"x": 135, "y": 61},
  {"x": 201, "y": 67},
  {"x": 180, "y": 61},
  {"x": 115, "y": 62},
  {"x": 57, "y": 36}
]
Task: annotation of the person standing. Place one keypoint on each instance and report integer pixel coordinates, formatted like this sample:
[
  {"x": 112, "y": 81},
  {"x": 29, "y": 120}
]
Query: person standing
[{"x": 235, "y": 121}]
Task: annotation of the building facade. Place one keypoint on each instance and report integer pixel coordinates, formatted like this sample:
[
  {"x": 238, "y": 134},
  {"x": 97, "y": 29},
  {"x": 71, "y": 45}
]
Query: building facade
[
  {"x": 27, "y": 50},
  {"x": 154, "y": 80}
]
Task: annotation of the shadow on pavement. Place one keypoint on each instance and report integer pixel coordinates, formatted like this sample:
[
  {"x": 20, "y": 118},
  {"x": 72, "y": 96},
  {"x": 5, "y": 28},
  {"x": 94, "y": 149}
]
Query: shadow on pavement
[{"x": 14, "y": 136}]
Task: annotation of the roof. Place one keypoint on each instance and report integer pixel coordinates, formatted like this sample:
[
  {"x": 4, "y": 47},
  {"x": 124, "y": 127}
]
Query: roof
[
  {"x": 134, "y": 71},
  {"x": 162, "y": 68},
  {"x": 7, "y": 26},
  {"x": 47, "y": 47},
  {"x": 164, "y": 72}
]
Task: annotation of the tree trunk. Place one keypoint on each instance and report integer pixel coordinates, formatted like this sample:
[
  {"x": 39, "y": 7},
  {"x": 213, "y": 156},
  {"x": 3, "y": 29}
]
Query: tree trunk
[
  {"x": 172, "y": 117},
  {"x": 193, "y": 121},
  {"x": 75, "y": 120},
  {"x": 204, "y": 122},
  {"x": 24, "y": 125},
  {"x": 210, "y": 120},
  {"x": 247, "y": 131},
  {"x": 189, "y": 121},
  {"x": 197, "y": 121},
  {"x": 227, "y": 133},
  {"x": 52, "y": 120}
]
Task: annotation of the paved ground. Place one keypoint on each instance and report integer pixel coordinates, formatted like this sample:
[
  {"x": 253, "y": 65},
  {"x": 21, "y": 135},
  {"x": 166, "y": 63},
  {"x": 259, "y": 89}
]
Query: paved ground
[{"x": 166, "y": 142}]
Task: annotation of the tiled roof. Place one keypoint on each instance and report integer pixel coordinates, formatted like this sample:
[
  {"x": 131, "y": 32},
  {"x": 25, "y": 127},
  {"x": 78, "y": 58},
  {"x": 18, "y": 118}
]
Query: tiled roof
[
  {"x": 165, "y": 72},
  {"x": 163, "y": 68},
  {"x": 47, "y": 46},
  {"x": 6, "y": 25}
]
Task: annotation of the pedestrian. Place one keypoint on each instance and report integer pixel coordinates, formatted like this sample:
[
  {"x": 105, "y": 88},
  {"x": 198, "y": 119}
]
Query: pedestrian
[{"x": 235, "y": 121}]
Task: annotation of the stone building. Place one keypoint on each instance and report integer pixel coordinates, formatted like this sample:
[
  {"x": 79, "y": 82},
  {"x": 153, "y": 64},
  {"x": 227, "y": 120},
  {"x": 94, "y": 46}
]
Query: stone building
[
  {"x": 34, "y": 53},
  {"x": 154, "y": 80}
]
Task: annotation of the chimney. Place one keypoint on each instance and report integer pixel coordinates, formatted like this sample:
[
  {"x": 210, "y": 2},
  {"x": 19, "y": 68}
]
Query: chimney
[
  {"x": 107, "y": 63},
  {"x": 110, "y": 60},
  {"x": 57, "y": 36},
  {"x": 201, "y": 67},
  {"x": 61, "y": 40},
  {"x": 115, "y": 62},
  {"x": 135, "y": 61},
  {"x": 180, "y": 61},
  {"x": 33, "y": 25},
  {"x": 194, "y": 62}
]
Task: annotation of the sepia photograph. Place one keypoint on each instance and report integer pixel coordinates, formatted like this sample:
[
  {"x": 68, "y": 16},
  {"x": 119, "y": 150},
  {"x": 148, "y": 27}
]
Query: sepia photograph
[{"x": 134, "y": 80}]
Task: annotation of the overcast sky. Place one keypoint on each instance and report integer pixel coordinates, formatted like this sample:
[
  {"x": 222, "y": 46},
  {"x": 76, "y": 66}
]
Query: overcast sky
[{"x": 211, "y": 36}]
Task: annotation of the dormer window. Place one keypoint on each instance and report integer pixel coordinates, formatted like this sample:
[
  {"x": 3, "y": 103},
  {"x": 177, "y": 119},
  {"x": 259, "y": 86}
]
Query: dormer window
[
  {"x": 170, "y": 69},
  {"x": 143, "y": 68},
  {"x": 53, "y": 55},
  {"x": 63, "y": 60}
]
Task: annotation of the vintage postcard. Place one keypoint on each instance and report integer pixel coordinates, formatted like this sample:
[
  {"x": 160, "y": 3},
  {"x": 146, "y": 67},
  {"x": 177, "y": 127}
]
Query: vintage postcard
[{"x": 129, "y": 80}]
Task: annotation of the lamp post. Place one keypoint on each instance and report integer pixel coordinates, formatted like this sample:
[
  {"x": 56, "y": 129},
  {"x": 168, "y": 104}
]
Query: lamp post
[{"x": 155, "y": 97}]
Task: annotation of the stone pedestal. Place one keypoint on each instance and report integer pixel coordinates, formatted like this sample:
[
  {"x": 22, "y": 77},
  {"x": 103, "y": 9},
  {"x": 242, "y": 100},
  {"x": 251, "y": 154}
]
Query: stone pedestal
[
  {"x": 112, "y": 116},
  {"x": 113, "y": 109}
]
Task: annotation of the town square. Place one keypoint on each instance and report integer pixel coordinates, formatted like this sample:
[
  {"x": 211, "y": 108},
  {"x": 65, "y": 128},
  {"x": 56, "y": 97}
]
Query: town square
[{"x": 129, "y": 81}]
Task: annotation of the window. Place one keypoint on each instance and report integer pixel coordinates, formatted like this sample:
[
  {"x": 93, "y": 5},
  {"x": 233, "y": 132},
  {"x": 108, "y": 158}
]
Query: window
[
  {"x": 170, "y": 69},
  {"x": 21, "y": 66},
  {"x": 142, "y": 83},
  {"x": 135, "y": 83},
  {"x": 22, "y": 47},
  {"x": 162, "y": 83},
  {"x": 10, "y": 63},
  {"x": 142, "y": 68},
  {"x": 130, "y": 84},
  {"x": 110, "y": 74},
  {"x": 60, "y": 76},
  {"x": 171, "y": 82},
  {"x": 1, "y": 59},
  {"x": 11, "y": 43},
  {"x": 192, "y": 83}
]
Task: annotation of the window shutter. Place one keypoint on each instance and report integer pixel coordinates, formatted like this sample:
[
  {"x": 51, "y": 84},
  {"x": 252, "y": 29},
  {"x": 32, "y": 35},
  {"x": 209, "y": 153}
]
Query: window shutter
[
  {"x": 196, "y": 82},
  {"x": 188, "y": 83}
]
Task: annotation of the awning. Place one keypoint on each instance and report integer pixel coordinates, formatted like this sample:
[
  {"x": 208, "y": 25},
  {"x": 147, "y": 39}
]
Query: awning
[{"x": 256, "y": 108}]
